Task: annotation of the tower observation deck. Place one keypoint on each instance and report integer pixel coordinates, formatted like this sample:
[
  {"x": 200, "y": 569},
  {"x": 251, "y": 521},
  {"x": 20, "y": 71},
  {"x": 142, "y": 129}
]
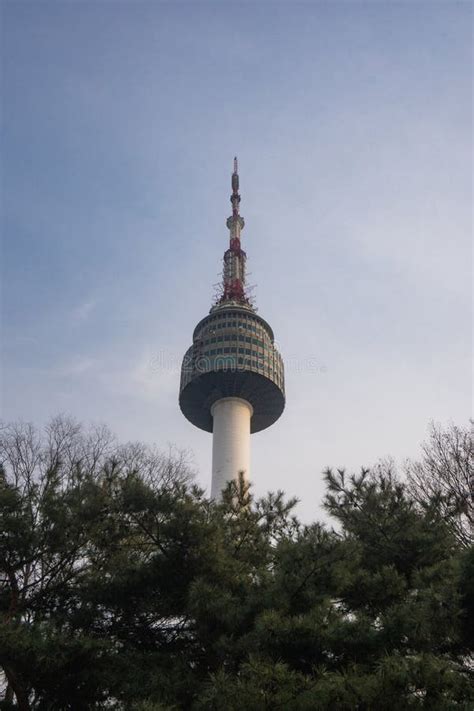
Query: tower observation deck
[{"x": 232, "y": 377}]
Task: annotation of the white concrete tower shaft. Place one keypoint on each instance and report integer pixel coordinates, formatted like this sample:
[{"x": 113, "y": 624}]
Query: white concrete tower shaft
[{"x": 230, "y": 442}]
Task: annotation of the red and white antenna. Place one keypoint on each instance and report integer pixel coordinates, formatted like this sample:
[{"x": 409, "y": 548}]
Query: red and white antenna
[{"x": 233, "y": 287}]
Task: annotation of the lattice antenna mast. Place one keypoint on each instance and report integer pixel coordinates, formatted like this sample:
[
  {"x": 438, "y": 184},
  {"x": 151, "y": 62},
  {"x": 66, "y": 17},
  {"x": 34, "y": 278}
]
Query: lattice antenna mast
[{"x": 235, "y": 257}]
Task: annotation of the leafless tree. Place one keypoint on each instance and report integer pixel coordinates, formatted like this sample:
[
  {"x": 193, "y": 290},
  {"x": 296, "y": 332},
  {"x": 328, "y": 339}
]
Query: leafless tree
[
  {"x": 444, "y": 475},
  {"x": 54, "y": 551}
]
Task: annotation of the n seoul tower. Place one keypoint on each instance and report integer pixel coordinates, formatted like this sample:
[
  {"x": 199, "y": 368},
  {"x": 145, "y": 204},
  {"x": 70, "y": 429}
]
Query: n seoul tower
[{"x": 232, "y": 379}]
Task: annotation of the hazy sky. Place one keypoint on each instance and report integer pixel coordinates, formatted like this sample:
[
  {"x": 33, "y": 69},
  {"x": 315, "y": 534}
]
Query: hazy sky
[{"x": 352, "y": 123}]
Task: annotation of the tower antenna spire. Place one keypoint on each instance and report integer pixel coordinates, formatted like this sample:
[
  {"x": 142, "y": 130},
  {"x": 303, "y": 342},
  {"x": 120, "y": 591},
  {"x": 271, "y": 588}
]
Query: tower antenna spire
[
  {"x": 235, "y": 197},
  {"x": 233, "y": 275}
]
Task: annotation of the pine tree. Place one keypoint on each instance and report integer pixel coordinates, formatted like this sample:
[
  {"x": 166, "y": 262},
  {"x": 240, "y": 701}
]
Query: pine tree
[{"x": 124, "y": 587}]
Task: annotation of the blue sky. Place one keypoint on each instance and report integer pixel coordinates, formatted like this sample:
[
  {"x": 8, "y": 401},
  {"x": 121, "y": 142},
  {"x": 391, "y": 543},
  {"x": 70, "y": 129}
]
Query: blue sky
[{"x": 352, "y": 123}]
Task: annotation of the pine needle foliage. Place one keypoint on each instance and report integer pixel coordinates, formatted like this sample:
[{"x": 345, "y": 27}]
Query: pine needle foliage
[{"x": 123, "y": 586}]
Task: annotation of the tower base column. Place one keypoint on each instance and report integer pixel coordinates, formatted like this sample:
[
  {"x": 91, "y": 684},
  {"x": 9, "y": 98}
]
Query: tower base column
[{"x": 230, "y": 441}]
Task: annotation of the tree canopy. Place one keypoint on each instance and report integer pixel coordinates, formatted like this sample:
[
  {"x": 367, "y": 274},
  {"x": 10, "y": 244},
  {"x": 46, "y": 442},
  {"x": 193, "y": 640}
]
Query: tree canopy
[{"x": 123, "y": 586}]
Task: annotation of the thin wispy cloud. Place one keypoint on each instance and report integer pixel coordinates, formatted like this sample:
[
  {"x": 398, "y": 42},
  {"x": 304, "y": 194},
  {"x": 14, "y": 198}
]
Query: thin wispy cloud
[
  {"x": 78, "y": 367},
  {"x": 83, "y": 311}
]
